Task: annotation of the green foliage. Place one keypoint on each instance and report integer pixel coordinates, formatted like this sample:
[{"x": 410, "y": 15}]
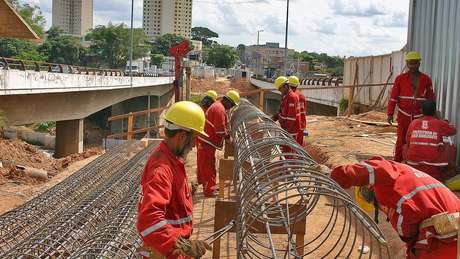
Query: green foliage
[
  {"x": 45, "y": 126},
  {"x": 221, "y": 56},
  {"x": 334, "y": 64},
  {"x": 161, "y": 44},
  {"x": 196, "y": 98},
  {"x": 110, "y": 44},
  {"x": 157, "y": 59},
  {"x": 32, "y": 15},
  {"x": 204, "y": 35},
  {"x": 343, "y": 105},
  {"x": 21, "y": 49},
  {"x": 2, "y": 119},
  {"x": 62, "y": 49}
]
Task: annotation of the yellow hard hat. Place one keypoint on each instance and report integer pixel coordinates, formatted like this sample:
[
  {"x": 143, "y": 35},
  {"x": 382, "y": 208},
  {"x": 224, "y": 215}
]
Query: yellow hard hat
[
  {"x": 187, "y": 115},
  {"x": 212, "y": 94},
  {"x": 280, "y": 81},
  {"x": 294, "y": 81},
  {"x": 234, "y": 96},
  {"x": 413, "y": 55},
  {"x": 366, "y": 203}
]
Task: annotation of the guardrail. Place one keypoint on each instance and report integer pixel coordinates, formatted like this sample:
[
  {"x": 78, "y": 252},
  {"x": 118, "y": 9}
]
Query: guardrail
[
  {"x": 320, "y": 81},
  {"x": 12, "y": 63}
]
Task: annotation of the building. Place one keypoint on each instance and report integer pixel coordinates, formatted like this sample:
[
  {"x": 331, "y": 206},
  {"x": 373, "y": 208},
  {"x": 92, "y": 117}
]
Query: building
[
  {"x": 167, "y": 16},
  {"x": 266, "y": 59},
  {"x": 75, "y": 17}
]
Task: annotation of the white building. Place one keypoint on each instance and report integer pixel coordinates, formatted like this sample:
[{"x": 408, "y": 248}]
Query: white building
[{"x": 167, "y": 16}]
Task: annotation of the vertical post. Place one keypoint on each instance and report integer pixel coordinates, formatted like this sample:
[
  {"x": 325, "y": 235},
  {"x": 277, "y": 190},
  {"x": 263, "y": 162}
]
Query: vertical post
[
  {"x": 148, "y": 116},
  {"x": 286, "y": 39},
  {"x": 188, "y": 83},
  {"x": 130, "y": 127},
  {"x": 131, "y": 45},
  {"x": 261, "y": 99},
  {"x": 351, "y": 92}
]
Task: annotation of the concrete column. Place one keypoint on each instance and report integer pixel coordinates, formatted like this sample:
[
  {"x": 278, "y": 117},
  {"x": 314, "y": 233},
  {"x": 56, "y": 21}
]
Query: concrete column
[{"x": 69, "y": 137}]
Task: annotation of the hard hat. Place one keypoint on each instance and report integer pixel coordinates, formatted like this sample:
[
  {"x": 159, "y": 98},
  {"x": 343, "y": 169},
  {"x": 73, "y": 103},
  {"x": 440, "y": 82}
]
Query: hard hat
[
  {"x": 280, "y": 81},
  {"x": 365, "y": 198},
  {"x": 413, "y": 55},
  {"x": 212, "y": 94},
  {"x": 234, "y": 96},
  {"x": 187, "y": 115},
  {"x": 294, "y": 81}
]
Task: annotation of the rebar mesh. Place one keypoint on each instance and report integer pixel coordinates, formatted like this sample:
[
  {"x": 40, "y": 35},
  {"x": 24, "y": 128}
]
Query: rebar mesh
[{"x": 279, "y": 185}]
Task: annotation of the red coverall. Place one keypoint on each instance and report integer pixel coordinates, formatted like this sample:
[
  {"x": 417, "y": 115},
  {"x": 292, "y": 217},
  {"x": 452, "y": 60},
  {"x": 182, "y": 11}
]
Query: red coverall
[
  {"x": 303, "y": 116},
  {"x": 289, "y": 114},
  {"x": 407, "y": 196},
  {"x": 165, "y": 208},
  {"x": 409, "y": 105},
  {"x": 216, "y": 128},
  {"x": 425, "y": 148}
]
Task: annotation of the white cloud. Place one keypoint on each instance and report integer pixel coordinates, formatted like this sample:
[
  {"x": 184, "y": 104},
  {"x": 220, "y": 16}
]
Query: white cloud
[{"x": 337, "y": 27}]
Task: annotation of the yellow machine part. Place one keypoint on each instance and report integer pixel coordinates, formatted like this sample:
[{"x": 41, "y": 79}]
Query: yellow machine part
[{"x": 363, "y": 203}]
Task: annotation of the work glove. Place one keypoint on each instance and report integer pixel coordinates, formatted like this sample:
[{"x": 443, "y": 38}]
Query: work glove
[
  {"x": 192, "y": 248},
  {"x": 390, "y": 119}
]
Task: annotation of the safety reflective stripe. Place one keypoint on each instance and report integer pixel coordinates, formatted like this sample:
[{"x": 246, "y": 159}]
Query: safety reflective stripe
[
  {"x": 409, "y": 115},
  {"x": 426, "y": 163},
  {"x": 409, "y": 196},
  {"x": 144, "y": 253},
  {"x": 209, "y": 143},
  {"x": 427, "y": 144},
  {"x": 210, "y": 123},
  {"x": 406, "y": 97},
  {"x": 371, "y": 172},
  {"x": 163, "y": 223},
  {"x": 393, "y": 100},
  {"x": 420, "y": 99},
  {"x": 287, "y": 118}
]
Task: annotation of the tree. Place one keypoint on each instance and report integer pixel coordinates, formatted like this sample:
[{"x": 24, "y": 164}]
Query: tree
[
  {"x": 161, "y": 44},
  {"x": 157, "y": 59},
  {"x": 32, "y": 15},
  {"x": 63, "y": 49},
  {"x": 20, "y": 49},
  {"x": 110, "y": 44},
  {"x": 222, "y": 56},
  {"x": 204, "y": 35}
]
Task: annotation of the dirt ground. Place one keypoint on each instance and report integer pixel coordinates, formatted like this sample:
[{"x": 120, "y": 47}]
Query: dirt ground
[{"x": 220, "y": 85}]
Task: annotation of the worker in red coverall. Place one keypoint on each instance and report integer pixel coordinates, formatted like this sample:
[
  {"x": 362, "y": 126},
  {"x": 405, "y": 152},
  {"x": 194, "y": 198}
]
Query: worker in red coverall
[
  {"x": 410, "y": 89},
  {"x": 425, "y": 148},
  {"x": 294, "y": 82},
  {"x": 216, "y": 128},
  {"x": 164, "y": 215},
  {"x": 412, "y": 200},
  {"x": 289, "y": 111}
]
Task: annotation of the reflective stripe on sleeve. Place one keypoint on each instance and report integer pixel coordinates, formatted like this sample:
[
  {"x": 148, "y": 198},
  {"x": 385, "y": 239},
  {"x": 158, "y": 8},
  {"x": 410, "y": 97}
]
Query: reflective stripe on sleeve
[
  {"x": 371, "y": 172},
  {"x": 163, "y": 223}
]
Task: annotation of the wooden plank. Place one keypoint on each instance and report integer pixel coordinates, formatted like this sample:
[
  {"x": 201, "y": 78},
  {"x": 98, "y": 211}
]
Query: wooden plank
[
  {"x": 129, "y": 136},
  {"x": 229, "y": 149},
  {"x": 138, "y": 113}
]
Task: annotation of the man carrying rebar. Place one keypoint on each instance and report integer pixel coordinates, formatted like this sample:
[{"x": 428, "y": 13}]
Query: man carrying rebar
[
  {"x": 410, "y": 89},
  {"x": 216, "y": 128},
  {"x": 164, "y": 218},
  {"x": 422, "y": 210},
  {"x": 426, "y": 149},
  {"x": 294, "y": 82},
  {"x": 289, "y": 111}
]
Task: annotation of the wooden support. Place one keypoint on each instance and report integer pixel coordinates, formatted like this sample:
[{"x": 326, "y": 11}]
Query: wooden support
[
  {"x": 225, "y": 174},
  {"x": 226, "y": 211},
  {"x": 351, "y": 93},
  {"x": 229, "y": 149},
  {"x": 261, "y": 100},
  {"x": 130, "y": 126}
]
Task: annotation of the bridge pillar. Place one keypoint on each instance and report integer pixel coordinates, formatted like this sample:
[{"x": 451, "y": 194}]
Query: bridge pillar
[{"x": 69, "y": 137}]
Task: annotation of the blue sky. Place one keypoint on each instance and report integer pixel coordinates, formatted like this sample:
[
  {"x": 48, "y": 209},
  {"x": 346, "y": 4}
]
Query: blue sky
[{"x": 337, "y": 27}]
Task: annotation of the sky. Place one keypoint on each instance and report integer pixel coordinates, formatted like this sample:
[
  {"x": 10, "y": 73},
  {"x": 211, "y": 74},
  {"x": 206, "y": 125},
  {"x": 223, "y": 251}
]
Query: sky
[{"x": 336, "y": 27}]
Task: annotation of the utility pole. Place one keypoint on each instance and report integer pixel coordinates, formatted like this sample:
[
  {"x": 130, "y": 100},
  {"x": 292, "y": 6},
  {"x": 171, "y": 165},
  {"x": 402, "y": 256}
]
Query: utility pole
[
  {"x": 286, "y": 40},
  {"x": 131, "y": 45}
]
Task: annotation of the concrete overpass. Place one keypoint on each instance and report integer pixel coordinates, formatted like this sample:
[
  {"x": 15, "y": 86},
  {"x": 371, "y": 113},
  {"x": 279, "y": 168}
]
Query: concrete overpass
[{"x": 37, "y": 96}]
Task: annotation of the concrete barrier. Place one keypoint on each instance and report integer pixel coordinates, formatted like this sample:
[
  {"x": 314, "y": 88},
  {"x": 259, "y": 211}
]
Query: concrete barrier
[{"x": 42, "y": 139}]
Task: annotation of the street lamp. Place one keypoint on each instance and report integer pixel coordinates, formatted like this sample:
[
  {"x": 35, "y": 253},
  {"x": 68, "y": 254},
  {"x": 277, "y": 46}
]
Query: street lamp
[
  {"x": 131, "y": 45},
  {"x": 258, "y": 32},
  {"x": 286, "y": 39}
]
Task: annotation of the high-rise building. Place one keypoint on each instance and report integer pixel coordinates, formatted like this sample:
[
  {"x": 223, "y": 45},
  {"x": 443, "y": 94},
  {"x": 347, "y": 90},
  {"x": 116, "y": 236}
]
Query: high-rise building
[
  {"x": 73, "y": 16},
  {"x": 167, "y": 16}
]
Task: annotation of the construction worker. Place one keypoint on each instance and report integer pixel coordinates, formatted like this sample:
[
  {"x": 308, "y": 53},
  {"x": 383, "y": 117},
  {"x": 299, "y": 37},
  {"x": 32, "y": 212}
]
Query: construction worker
[
  {"x": 422, "y": 210},
  {"x": 216, "y": 127},
  {"x": 164, "y": 218},
  {"x": 209, "y": 98},
  {"x": 294, "y": 82},
  {"x": 410, "y": 89},
  {"x": 289, "y": 112},
  {"x": 425, "y": 148}
]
